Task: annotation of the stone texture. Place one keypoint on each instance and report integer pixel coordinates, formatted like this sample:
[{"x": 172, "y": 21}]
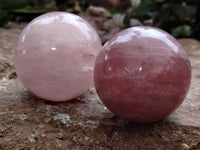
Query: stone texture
[
  {"x": 55, "y": 55},
  {"x": 102, "y": 21},
  {"x": 110, "y": 4},
  {"x": 44, "y": 4},
  {"x": 119, "y": 20},
  {"x": 27, "y": 122},
  {"x": 142, "y": 74},
  {"x": 98, "y": 12}
]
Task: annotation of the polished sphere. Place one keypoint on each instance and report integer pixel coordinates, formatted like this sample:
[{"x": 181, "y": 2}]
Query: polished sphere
[
  {"x": 55, "y": 55},
  {"x": 143, "y": 74}
]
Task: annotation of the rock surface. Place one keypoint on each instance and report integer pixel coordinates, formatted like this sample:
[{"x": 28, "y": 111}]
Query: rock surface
[
  {"x": 27, "y": 122},
  {"x": 102, "y": 21}
]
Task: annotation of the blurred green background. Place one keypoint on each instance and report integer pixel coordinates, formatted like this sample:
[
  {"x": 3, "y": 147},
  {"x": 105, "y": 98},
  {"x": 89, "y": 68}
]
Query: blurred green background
[{"x": 181, "y": 18}]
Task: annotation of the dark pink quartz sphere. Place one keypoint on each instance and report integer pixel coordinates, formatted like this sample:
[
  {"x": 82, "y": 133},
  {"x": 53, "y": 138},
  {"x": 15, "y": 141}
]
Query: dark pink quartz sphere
[
  {"x": 55, "y": 56},
  {"x": 143, "y": 74}
]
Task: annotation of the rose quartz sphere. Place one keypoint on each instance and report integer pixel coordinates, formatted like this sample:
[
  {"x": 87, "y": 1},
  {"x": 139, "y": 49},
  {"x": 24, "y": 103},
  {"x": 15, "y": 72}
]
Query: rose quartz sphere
[
  {"x": 142, "y": 74},
  {"x": 55, "y": 55}
]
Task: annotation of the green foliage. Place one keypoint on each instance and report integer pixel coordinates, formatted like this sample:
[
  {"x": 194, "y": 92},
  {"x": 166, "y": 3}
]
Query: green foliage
[
  {"x": 143, "y": 10},
  {"x": 13, "y": 4},
  {"x": 180, "y": 18},
  {"x": 183, "y": 31},
  {"x": 28, "y": 11},
  {"x": 84, "y": 4},
  {"x": 6, "y": 6},
  {"x": 128, "y": 15},
  {"x": 113, "y": 11},
  {"x": 4, "y": 17}
]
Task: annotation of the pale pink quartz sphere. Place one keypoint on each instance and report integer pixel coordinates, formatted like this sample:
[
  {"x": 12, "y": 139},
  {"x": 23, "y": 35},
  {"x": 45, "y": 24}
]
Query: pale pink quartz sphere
[
  {"x": 142, "y": 74},
  {"x": 55, "y": 55}
]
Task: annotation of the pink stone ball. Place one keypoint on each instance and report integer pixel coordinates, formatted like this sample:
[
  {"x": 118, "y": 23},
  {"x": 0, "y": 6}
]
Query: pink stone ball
[
  {"x": 55, "y": 55},
  {"x": 143, "y": 74}
]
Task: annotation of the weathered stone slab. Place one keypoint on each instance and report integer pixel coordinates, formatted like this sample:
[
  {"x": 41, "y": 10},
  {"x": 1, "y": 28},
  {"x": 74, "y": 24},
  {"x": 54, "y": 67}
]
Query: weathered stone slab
[{"x": 27, "y": 122}]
